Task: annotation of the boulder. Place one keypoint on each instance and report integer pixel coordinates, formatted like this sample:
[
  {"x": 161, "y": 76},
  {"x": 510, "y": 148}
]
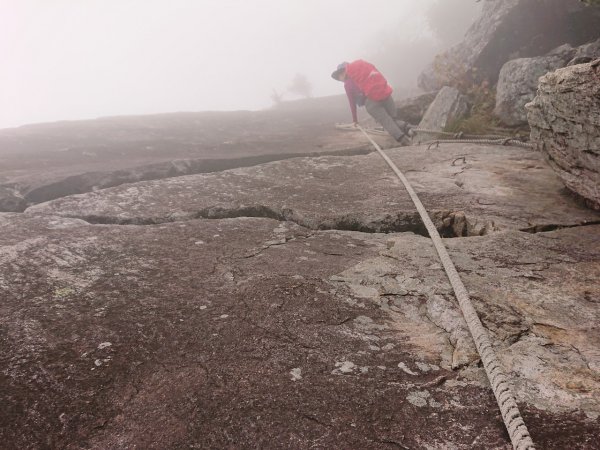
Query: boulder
[
  {"x": 510, "y": 29},
  {"x": 449, "y": 105},
  {"x": 518, "y": 82},
  {"x": 565, "y": 122},
  {"x": 413, "y": 109}
]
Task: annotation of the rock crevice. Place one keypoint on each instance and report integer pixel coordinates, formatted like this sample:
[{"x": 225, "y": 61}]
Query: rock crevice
[
  {"x": 16, "y": 197},
  {"x": 446, "y": 221},
  {"x": 351, "y": 193}
]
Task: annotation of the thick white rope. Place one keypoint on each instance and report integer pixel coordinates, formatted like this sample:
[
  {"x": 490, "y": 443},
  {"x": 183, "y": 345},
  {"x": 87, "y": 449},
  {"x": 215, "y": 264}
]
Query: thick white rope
[
  {"x": 519, "y": 435},
  {"x": 456, "y": 138}
]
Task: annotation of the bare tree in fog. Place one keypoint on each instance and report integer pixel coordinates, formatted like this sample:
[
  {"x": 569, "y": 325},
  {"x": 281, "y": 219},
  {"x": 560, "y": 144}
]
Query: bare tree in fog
[
  {"x": 300, "y": 86},
  {"x": 276, "y": 97}
]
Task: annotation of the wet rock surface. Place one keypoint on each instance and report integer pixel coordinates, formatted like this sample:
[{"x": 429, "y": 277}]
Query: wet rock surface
[
  {"x": 295, "y": 304},
  {"x": 565, "y": 122}
]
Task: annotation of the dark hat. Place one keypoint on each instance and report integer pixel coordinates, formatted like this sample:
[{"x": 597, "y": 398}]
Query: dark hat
[{"x": 340, "y": 68}]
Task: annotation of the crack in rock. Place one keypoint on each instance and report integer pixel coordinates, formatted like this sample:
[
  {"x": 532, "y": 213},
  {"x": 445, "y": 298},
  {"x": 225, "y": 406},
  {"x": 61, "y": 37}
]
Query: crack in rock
[
  {"x": 534, "y": 229},
  {"x": 449, "y": 224},
  {"x": 16, "y": 198}
]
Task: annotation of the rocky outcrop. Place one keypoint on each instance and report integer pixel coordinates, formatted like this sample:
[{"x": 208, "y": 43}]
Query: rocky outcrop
[
  {"x": 412, "y": 110},
  {"x": 449, "y": 105},
  {"x": 565, "y": 122},
  {"x": 518, "y": 82},
  {"x": 510, "y": 29}
]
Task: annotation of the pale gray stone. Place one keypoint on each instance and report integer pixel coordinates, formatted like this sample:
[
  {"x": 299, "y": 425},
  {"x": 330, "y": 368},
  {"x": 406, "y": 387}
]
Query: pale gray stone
[
  {"x": 518, "y": 82},
  {"x": 449, "y": 105},
  {"x": 565, "y": 123}
]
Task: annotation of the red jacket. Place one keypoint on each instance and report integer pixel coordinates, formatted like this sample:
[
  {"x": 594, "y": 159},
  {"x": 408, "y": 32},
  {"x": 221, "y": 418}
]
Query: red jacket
[{"x": 369, "y": 80}]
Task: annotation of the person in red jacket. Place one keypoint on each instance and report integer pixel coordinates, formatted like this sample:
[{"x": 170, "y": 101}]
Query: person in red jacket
[{"x": 365, "y": 85}]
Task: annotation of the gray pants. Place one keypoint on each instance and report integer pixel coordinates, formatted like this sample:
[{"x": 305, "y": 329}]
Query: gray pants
[{"x": 384, "y": 112}]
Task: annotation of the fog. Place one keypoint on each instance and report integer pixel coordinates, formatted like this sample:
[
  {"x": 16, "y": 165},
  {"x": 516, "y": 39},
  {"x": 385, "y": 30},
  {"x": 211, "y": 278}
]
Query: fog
[{"x": 79, "y": 59}]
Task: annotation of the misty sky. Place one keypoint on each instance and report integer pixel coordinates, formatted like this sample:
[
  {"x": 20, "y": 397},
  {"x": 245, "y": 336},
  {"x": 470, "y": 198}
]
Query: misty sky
[{"x": 78, "y": 59}]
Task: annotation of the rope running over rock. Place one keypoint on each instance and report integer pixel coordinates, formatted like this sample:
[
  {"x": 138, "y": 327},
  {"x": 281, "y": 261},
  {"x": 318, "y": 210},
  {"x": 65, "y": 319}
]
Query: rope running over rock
[
  {"x": 458, "y": 135},
  {"x": 519, "y": 435},
  {"x": 456, "y": 138},
  {"x": 504, "y": 141}
]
